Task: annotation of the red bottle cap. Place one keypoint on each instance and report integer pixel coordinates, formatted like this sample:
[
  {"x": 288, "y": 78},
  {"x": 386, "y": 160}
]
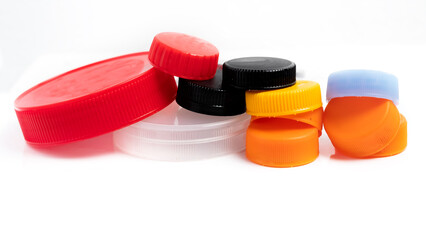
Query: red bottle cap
[
  {"x": 94, "y": 99},
  {"x": 184, "y": 56}
]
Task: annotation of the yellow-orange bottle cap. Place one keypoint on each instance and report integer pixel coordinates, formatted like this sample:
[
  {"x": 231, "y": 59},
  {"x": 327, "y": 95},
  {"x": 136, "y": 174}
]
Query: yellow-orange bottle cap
[
  {"x": 304, "y": 96},
  {"x": 361, "y": 126},
  {"x": 281, "y": 142}
]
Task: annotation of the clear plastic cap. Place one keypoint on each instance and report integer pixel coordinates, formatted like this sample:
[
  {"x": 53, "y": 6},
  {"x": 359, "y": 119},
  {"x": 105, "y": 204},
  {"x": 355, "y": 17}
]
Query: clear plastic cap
[
  {"x": 363, "y": 83},
  {"x": 176, "y": 134}
]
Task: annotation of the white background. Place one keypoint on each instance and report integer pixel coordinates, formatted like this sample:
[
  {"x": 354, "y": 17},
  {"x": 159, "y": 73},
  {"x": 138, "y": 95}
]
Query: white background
[{"x": 88, "y": 190}]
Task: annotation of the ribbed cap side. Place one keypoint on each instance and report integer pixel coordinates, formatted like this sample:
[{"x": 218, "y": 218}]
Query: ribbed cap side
[
  {"x": 109, "y": 110},
  {"x": 363, "y": 83},
  {"x": 302, "y": 97},
  {"x": 259, "y": 73},
  {"x": 280, "y": 142},
  {"x": 184, "y": 56},
  {"x": 210, "y": 96}
]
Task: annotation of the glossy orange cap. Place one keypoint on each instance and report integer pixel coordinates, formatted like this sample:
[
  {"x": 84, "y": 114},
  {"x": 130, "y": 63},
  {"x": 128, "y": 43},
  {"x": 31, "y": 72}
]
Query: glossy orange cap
[
  {"x": 398, "y": 144},
  {"x": 280, "y": 142},
  {"x": 361, "y": 126}
]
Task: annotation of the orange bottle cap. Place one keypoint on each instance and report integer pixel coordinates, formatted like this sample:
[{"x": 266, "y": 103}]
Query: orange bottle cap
[
  {"x": 398, "y": 144},
  {"x": 280, "y": 142},
  {"x": 313, "y": 118},
  {"x": 361, "y": 126}
]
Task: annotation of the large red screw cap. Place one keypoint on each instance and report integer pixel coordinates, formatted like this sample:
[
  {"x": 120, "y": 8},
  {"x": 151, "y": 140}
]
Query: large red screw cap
[{"x": 93, "y": 100}]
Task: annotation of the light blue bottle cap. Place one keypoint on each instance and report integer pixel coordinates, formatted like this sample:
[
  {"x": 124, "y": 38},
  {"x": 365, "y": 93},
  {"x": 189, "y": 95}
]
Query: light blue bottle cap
[{"x": 363, "y": 83}]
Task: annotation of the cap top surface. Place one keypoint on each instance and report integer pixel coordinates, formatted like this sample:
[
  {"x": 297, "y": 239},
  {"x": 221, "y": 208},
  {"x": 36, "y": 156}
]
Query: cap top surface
[
  {"x": 259, "y": 73},
  {"x": 84, "y": 81},
  {"x": 260, "y": 64},
  {"x": 187, "y": 44}
]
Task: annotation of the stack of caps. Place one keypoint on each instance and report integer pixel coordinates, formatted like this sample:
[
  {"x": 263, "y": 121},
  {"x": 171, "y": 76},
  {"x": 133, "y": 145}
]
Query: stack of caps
[
  {"x": 361, "y": 118},
  {"x": 112, "y": 94},
  {"x": 208, "y": 117},
  {"x": 286, "y": 114}
]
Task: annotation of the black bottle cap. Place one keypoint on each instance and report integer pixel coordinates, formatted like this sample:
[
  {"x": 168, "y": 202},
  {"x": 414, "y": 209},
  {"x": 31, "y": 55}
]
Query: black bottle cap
[
  {"x": 259, "y": 73},
  {"x": 211, "y": 96}
]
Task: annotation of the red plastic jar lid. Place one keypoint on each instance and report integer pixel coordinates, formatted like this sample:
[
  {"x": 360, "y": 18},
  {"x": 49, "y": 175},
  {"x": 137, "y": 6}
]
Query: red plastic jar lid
[
  {"x": 184, "y": 56},
  {"x": 93, "y": 100}
]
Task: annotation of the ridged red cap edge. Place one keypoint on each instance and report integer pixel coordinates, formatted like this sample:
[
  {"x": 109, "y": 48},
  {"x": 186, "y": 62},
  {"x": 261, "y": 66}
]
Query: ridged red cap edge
[{"x": 183, "y": 62}]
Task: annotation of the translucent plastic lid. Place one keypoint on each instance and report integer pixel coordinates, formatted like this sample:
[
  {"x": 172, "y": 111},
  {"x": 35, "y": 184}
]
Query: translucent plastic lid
[
  {"x": 175, "y": 133},
  {"x": 363, "y": 83}
]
